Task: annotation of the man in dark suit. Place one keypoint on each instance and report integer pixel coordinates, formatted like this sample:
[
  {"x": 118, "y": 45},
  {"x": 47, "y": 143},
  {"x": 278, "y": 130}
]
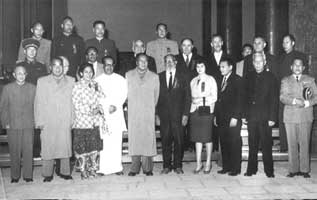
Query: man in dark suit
[
  {"x": 228, "y": 112},
  {"x": 260, "y": 114},
  {"x": 259, "y": 45},
  {"x": 187, "y": 59},
  {"x": 137, "y": 47},
  {"x": 173, "y": 110},
  {"x": 186, "y": 63}
]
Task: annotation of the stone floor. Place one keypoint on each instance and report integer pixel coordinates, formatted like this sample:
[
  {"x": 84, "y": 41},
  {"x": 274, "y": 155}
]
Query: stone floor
[{"x": 171, "y": 186}]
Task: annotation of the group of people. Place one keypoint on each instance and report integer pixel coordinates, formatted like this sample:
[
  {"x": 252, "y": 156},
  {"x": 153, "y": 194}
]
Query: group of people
[{"x": 73, "y": 92}]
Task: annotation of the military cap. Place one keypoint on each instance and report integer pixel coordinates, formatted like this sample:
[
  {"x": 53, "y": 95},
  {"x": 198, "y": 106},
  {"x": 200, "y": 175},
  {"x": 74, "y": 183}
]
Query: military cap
[{"x": 30, "y": 42}]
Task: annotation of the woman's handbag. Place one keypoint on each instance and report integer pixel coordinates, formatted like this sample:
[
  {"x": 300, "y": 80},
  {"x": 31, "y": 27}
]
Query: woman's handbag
[{"x": 204, "y": 110}]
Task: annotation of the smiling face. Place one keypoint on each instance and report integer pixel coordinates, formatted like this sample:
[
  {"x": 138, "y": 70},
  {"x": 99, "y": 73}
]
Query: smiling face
[
  {"x": 187, "y": 47},
  {"x": 258, "y": 62},
  {"x": 161, "y": 31},
  {"x": 92, "y": 55},
  {"x": 30, "y": 53},
  {"x": 297, "y": 67},
  {"x": 170, "y": 62},
  {"x": 87, "y": 73},
  {"x": 108, "y": 66},
  {"x": 216, "y": 43},
  {"x": 19, "y": 74},
  {"x": 201, "y": 68},
  {"x": 138, "y": 47},
  {"x": 225, "y": 68},
  {"x": 57, "y": 68},
  {"x": 67, "y": 26},
  {"x": 99, "y": 30},
  {"x": 142, "y": 63}
]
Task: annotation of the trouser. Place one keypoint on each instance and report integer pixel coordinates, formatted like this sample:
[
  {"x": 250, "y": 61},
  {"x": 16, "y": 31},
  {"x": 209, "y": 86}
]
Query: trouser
[
  {"x": 21, "y": 144},
  {"x": 215, "y": 139},
  {"x": 48, "y": 167},
  {"x": 145, "y": 161},
  {"x": 187, "y": 143},
  {"x": 231, "y": 142},
  {"x": 282, "y": 131},
  {"x": 298, "y": 136},
  {"x": 260, "y": 131},
  {"x": 172, "y": 136}
]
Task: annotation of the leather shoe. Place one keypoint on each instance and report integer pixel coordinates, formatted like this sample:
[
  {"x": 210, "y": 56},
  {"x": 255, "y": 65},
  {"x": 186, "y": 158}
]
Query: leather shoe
[
  {"x": 28, "y": 180},
  {"x": 197, "y": 171},
  {"x": 14, "y": 180},
  {"x": 306, "y": 175},
  {"x": 233, "y": 173},
  {"x": 48, "y": 179},
  {"x": 291, "y": 175},
  {"x": 148, "y": 173},
  {"x": 179, "y": 171},
  {"x": 249, "y": 174},
  {"x": 222, "y": 171},
  {"x": 120, "y": 173},
  {"x": 166, "y": 171},
  {"x": 270, "y": 175},
  {"x": 132, "y": 174}
]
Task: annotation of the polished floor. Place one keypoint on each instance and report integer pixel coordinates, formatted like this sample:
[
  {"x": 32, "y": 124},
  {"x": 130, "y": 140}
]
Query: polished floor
[{"x": 171, "y": 186}]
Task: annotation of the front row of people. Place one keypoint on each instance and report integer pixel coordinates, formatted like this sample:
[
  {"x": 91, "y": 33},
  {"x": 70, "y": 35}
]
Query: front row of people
[{"x": 92, "y": 108}]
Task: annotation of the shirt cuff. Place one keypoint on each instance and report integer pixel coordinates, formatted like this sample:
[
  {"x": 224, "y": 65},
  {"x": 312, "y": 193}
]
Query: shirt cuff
[{"x": 306, "y": 104}]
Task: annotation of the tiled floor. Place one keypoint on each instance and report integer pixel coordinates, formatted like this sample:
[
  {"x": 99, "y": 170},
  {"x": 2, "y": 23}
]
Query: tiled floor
[{"x": 171, "y": 186}]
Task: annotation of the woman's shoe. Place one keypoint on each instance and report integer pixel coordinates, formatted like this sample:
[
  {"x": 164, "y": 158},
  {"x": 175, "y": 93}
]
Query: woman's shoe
[
  {"x": 196, "y": 171},
  {"x": 207, "y": 170}
]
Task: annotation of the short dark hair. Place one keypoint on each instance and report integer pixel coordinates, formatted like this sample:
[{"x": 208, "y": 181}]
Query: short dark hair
[
  {"x": 83, "y": 66},
  {"x": 68, "y": 18},
  {"x": 227, "y": 60},
  {"x": 216, "y": 35},
  {"x": 99, "y": 22},
  {"x": 37, "y": 23},
  {"x": 187, "y": 38},
  {"x": 291, "y": 37},
  {"x": 57, "y": 58},
  {"x": 200, "y": 61},
  {"x": 261, "y": 37},
  {"x": 91, "y": 48},
  {"x": 141, "y": 54},
  {"x": 103, "y": 59},
  {"x": 298, "y": 58},
  {"x": 18, "y": 65},
  {"x": 161, "y": 24},
  {"x": 170, "y": 55},
  {"x": 247, "y": 45}
]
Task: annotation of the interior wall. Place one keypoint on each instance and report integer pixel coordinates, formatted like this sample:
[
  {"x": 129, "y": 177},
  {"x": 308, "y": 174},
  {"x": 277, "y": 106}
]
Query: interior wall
[{"x": 128, "y": 20}]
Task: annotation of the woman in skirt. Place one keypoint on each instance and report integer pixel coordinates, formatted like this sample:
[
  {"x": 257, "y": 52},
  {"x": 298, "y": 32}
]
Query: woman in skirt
[
  {"x": 88, "y": 119},
  {"x": 204, "y": 95}
]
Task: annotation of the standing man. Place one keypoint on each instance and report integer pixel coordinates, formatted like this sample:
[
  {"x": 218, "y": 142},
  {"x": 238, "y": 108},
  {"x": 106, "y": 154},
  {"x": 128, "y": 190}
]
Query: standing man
[
  {"x": 70, "y": 45},
  {"x": 91, "y": 57},
  {"x": 285, "y": 61},
  {"x": 114, "y": 87},
  {"x": 143, "y": 94},
  {"x": 105, "y": 46},
  {"x": 44, "y": 51},
  {"x": 187, "y": 59},
  {"x": 299, "y": 94},
  {"x": 260, "y": 114},
  {"x": 247, "y": 49},
  {"x": 33, "y": 68},
  {"x": 161, "y": 47},
  {"x": 259, "y": 45},
  {"x": 53, "y": 115},
  {"x": 173, "y": 110},
  {"x": 228, "y": 114},
  {"x": 213, "y": 68},
  {"x": 137, "y": 47}
]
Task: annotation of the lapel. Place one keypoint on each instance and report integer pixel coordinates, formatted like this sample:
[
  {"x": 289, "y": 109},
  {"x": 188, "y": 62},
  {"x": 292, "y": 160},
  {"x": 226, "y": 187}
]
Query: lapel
[{"x": 164, "y": 84}]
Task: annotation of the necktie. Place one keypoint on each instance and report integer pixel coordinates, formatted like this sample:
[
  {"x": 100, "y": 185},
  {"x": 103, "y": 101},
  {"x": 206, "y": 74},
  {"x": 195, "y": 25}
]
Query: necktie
[
  {"x": 170, "y": 81},
  {"x": 224, "y": 84},
  {"x": 187, "y": 60},
  {"x": 297, "y": 78}
]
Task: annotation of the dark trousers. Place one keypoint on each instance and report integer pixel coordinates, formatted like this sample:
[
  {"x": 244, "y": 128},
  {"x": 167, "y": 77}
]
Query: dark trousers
[
  {"x": 231, "y": 144},
  {"x": 260, "y": 132},
  {"x": 188, "y": 145},
  {"x": 215, "y": 139},
  {"x": 172, "y": 136},
  {"x": 282, "y": 130},
  {"x": 145, "y": 161},
  {"x": 21, "y": 144}
]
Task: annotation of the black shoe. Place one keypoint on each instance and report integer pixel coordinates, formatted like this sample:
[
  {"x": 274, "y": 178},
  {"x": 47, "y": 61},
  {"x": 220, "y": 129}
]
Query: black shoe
[
  {"x": 179, "y": 171},
  {"x": 197, "y": 171},
  {"x": 100, "y": 174},
  {"x": 66, "y": 177},
  {"x": 28, "y": 180},
  {"x": 222, "y": 171},
  {"x": 291, "y": 175},
  {"x": 120, "y": 173},
  {"x": 166, "y": 171},
  {"x": 270, "y": 175},
  {"x": 48, "y": 179},
  {"x": 148, "y": 173},
  {"x": 249, "y": 173},
  {"x": 14, "y": 180},
  {"x": 305, "y": 175},
  {"x": 233, "y": 173},
  {"x": 132, "y": 174}
]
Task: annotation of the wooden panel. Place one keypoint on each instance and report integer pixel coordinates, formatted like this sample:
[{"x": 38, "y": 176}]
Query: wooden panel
[{"x": 59, "y": 11}]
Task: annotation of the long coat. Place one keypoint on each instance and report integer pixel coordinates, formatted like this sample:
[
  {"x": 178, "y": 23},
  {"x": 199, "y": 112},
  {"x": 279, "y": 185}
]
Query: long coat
[
  {"x": 53, "y": 110},
  {"x": 143, "y": 95}
]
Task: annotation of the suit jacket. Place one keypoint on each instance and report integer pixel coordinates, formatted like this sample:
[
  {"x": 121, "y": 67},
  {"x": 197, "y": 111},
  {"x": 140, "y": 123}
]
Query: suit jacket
[
  {"x": 130, "y": 64},
  {"x": 261, "y": 96},
  {"x": 271, "y": 64},
  {"x": 213, "y": 68},
  {"x": 291, "y": 89},
  {"x": 189, "y": 70},
  {"x": 230, "y": 100},
  {"x": 173, "y": 104}
]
